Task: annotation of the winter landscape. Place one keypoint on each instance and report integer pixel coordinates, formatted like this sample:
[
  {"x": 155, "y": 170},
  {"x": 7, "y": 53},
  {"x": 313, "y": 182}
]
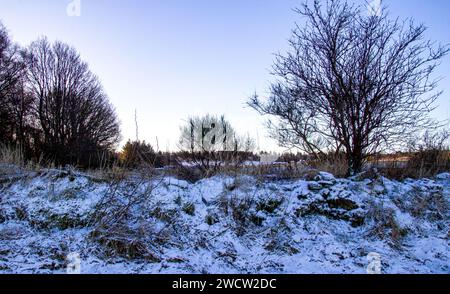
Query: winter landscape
[
  {"x": 224, "y": 224},
  {"x": 338, "y": 164}
]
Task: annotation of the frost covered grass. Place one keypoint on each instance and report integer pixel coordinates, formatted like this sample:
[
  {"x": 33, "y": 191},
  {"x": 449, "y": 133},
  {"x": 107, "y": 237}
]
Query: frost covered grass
[{"x": 148, "y": 223}]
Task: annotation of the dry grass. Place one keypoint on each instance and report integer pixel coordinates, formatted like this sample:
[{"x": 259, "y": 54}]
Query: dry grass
[
  {"x": 270, "y": 171},
  {"x": 188, "y": 173},
  {"x": 419, "y": 166},
  {"x": 428, "y": 155},
  {"x": 429, "y": 162},
  {"x": 432, "y": 205},
  {"x": 121, "y": 241},
  {"x": 113, "y": 173},
  {"x": 334, "y": 164},
  {"x": 12, "y": 158},
  {"x": 261, "y": 172},
  {"x": 11, "y": 155}
]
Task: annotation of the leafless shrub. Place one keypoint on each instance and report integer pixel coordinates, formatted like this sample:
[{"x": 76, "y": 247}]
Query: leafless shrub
[
  {"x": 13, "y": 158},
  {"x": 430, "y": 154},
  {"x": 115, "y": 225},
  {"x": 427, "y": 156}
]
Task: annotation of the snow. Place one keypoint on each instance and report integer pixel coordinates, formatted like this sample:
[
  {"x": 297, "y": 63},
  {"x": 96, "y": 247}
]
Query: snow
[
  {"x": 443, "y": 176},
  {"x": 223, "y": 224}
]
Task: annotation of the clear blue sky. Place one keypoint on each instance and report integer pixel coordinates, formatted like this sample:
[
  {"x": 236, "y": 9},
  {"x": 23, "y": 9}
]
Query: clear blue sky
[{"x": 170, "y": 59}]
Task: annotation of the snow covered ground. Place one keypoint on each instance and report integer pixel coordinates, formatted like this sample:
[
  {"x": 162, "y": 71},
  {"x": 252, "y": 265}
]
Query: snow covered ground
[{"x": 222, "y": 224}]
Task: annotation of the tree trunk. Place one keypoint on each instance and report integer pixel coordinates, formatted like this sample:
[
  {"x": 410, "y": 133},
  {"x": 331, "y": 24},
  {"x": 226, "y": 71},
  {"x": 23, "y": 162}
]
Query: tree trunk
[{"x": 355, "y": 163}]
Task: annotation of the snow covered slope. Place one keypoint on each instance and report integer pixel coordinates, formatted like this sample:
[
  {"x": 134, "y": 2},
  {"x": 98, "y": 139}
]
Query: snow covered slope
[{"x": 222, "y": 224}]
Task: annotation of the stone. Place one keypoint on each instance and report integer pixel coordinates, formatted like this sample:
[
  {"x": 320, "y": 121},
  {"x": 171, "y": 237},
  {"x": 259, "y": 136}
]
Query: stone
[{"x": 314, "y": 186}]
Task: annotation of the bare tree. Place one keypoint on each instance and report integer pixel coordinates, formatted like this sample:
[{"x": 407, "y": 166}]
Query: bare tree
[
  {"x": 14, "y": 105},
  {"x": 73, "y": 111},
  {"x": 352, "y": 81}
]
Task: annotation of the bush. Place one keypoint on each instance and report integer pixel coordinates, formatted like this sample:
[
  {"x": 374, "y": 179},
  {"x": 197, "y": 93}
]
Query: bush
[
  {"x": 114, "y": 226},
  {"x": 428, "y": 155},
  {"x": 431, "y": 154},
  {"x": 137, "y": 154}
]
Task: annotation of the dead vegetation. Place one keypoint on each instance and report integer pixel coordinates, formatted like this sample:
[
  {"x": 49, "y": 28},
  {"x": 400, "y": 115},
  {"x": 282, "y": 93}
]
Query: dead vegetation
[
  {"x": 430, "y": 204},
  {"x": 11, "y": 155},
  {"x": 335, "y": 164},
  {"x": 385, "y": 225},
  {"x": 114, "y": 222},
  {"x": 125, "y": 225}
]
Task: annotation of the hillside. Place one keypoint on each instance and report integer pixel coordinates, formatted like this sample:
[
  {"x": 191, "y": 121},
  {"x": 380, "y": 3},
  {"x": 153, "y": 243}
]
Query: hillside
[{"x": 221, "y": 225}]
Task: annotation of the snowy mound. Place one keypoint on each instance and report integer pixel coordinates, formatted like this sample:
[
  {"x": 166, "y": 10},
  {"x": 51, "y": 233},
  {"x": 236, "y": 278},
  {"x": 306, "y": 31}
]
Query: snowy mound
[{"x": 222, "y": 224}]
